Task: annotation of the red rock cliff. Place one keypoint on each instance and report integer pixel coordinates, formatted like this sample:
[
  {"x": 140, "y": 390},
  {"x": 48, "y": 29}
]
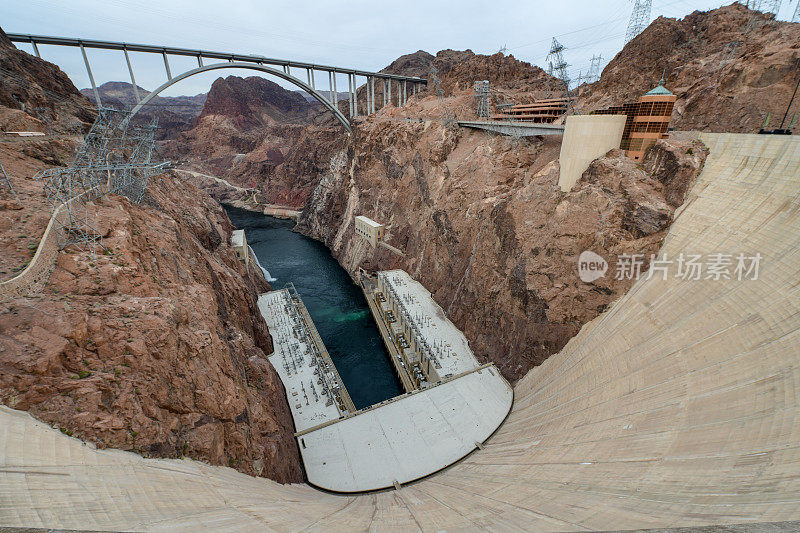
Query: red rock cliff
[{"x": 152, "y": 344}]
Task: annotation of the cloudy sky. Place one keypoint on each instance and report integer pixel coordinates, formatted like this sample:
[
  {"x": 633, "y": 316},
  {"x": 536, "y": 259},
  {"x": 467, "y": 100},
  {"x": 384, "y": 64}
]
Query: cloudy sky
[{"x": 358, "y": 34}]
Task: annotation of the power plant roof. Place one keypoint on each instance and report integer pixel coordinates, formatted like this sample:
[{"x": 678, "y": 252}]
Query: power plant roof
[{"x": 658, "y": 91}]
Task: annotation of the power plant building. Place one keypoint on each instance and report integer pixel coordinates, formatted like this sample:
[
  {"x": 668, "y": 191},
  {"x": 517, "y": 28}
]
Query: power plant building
[
  {"x": 369, "y": 229},
  {"x": 239, "y": 244},
  {"x": 648, "y": 120}
]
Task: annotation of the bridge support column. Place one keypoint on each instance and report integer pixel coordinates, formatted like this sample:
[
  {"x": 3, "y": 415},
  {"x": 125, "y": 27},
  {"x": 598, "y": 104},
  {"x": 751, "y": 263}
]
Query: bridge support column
[
  {"x": 133, "y": 80},
  {"x": 200, "y": 61},
  {"x": 350, "y": 95},
  {"x": 372, "y": 94},
  {"x": 404, "y": 92},
  {"x": 389, "y": 94},
  {"x": 374, "y": 105},
  {"x": 335, "y": 93},
  {"x": 330, "y": 86},
  {"x": 353, "y": 99},
  {"x": 36, "y": 50},
  {"x": 91, "y": 76},
  {"x": 384, "y": 93},
  {"x": 166, "y": 65}
]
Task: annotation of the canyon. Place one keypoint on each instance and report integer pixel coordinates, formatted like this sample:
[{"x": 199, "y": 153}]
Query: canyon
[
  {"x": 155, "y": 346},
  {"x": 480, "y": 218}
]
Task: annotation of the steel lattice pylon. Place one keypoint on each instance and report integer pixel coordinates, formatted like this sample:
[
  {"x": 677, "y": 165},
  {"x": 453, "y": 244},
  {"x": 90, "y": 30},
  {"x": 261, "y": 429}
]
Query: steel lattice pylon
[
  {"x": 594, "y": 69},
  {"x": 113, "y": 158},
  {"x": 483, "y": 97},
  {"x": 764, "y": 6},
  {"x": 558, "y": 67},
  {"x": 7, "y": 181},
  {"x": 640, "y": 18},
  {"x": 754, "y": 21}
]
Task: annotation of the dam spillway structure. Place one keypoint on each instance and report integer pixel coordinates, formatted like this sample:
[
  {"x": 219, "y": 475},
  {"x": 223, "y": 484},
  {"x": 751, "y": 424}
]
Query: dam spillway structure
[{"x": 676, "y": 407}]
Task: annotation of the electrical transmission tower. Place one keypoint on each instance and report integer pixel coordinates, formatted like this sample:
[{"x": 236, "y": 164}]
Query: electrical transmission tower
[
  {"x": 448, "y": 115},
  {"x": 594, "y": 69},
  {"x": 113, "y": 158},
  {"x": 7, "y": 181},
  {"x": 640, "y": 18},
  {"x": 754, "y": 21},
  {"x": 558, "y": 67},
  {"x": 764, "y": 6},
  {"x": 483, "y": 96}
]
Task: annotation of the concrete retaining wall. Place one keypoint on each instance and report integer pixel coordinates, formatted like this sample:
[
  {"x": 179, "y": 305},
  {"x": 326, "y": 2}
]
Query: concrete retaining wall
[
  {"x": 586, "y": 138},
  {"x": 36, "y": 274}
]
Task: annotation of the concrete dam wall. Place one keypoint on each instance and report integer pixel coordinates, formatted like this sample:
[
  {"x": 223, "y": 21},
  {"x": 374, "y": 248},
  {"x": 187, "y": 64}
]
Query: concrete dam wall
[{"x": 678, "y": 406}]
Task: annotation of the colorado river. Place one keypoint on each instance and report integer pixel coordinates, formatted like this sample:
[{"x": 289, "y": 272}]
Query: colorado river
[{"x": 337, "y": 306}]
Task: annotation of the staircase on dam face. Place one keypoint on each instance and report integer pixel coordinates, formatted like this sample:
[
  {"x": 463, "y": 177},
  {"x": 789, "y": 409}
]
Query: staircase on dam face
[{"x": 678, "y": 406}]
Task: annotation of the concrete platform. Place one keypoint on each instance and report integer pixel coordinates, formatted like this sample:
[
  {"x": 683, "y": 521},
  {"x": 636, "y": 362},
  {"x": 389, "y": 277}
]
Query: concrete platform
[
  {"x": 410, "y": 438},
  {"x": 513, "y": 129},
  {"x": 311, "y": 382}
]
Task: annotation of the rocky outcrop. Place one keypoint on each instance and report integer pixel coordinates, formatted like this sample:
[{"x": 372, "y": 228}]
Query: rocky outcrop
[
  {"x": 484, "y": 226},
  {"x": 153, "y": 343},
  {"x": 719, "y": 87},
  {"x": 248, "y": 129},
  {"x": 457, "y": 70},
  {"x": 36, "y": 94},
  {"x": 253, "y": 102}
]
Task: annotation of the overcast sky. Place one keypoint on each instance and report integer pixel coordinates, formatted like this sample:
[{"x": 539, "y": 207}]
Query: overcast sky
[{"x": 358, "y": 34}]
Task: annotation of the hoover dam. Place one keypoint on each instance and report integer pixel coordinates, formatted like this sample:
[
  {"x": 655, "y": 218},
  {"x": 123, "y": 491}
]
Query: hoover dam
[{"x": 677, "y": 406}]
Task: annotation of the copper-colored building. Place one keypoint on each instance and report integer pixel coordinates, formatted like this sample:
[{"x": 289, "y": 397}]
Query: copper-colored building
[{"x": 648, "y": 120}]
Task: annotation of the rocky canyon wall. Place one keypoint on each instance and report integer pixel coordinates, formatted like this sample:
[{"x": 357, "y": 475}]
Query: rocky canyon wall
[
  {"x": 719, "y": 86},
  {"x": 151, "y": 343},
  {"x": 484, "y": 226}
]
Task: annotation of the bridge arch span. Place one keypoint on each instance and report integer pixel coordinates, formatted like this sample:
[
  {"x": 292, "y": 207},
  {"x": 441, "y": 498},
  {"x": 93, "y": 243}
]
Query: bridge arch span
[{"x": 249, "y": 66}]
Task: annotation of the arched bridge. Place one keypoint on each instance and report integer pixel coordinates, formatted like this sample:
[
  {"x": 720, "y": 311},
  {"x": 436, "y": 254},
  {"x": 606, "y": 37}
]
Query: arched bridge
[{"x": 282, "y": 68}]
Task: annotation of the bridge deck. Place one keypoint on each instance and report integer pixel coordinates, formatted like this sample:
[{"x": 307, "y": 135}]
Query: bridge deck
[
  {"x": 513, "y": 129},
  {"x": 206, "y": 54}
]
